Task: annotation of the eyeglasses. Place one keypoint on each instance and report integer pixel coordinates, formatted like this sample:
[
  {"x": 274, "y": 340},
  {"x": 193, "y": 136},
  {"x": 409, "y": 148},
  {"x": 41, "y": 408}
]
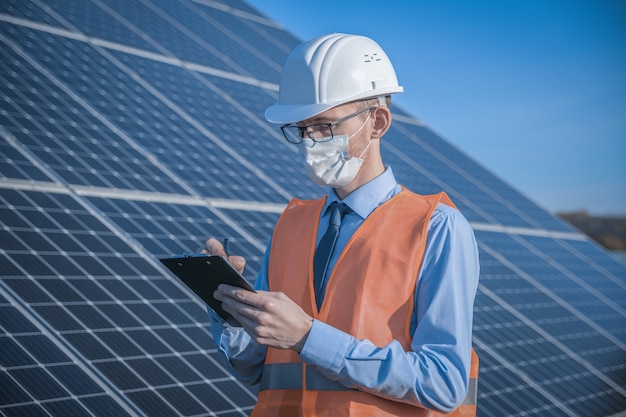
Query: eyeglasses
[{"x": 321, "y": 132}]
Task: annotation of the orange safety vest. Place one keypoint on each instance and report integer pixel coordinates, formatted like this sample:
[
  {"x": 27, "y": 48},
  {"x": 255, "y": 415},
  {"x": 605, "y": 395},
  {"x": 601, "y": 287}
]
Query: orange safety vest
[{"x": 370, "y": 295}]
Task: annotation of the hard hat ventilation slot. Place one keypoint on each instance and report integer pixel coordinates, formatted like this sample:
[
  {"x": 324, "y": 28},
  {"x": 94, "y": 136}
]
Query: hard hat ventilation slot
[{"x": 371, "y": 57}]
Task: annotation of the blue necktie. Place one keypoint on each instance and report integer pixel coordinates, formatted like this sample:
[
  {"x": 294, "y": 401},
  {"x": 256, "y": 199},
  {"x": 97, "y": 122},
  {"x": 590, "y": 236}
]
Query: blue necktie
[{"x": 325, "y": 249}]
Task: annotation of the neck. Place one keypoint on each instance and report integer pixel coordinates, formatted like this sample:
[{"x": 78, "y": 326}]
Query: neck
[{"x": 367, "y": 173}]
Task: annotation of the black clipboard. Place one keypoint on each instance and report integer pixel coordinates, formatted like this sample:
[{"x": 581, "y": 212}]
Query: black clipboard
[{"x": 203, "y": 274}]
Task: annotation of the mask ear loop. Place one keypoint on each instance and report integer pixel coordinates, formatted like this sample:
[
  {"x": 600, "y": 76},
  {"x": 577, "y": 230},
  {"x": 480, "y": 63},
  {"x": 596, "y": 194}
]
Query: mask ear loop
[
  {"x": 368, "y": 142},
  {"x": 369, "y": 113},
  {"x": 365, "y": 149}
]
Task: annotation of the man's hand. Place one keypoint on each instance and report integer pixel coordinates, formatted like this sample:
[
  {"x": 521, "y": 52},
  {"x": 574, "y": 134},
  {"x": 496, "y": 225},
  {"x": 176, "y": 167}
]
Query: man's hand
[
  {"x": 214, "y": 247},
  {"x": 270, "y": 318}
]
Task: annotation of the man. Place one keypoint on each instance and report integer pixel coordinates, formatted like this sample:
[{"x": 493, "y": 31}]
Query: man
[{"x": 383, "y": 326}]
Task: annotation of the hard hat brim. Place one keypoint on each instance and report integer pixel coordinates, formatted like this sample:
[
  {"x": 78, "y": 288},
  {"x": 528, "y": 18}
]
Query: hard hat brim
[{"x": 293, "y": 113}]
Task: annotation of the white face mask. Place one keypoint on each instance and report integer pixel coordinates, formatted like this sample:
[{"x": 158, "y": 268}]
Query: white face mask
[{"x": 329, "y": 163}]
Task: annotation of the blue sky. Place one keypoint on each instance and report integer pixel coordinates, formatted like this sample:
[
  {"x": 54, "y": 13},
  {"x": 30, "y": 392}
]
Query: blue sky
[{"x": 534, "y": 90}]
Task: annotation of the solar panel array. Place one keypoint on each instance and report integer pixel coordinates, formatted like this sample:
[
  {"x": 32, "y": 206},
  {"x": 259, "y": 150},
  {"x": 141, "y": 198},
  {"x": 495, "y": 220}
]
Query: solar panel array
[{"x": 133, "y": 130}]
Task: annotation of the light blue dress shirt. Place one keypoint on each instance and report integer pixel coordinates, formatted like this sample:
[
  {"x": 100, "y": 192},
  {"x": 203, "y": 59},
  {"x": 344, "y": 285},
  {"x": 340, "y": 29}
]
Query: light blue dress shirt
[{"x": 434, "y": 373}]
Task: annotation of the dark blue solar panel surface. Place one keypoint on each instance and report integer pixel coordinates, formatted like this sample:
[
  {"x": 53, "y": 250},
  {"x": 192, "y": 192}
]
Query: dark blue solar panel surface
[
  {"x": 131, "y": 325},
  {"x": 148, "y": 137}
]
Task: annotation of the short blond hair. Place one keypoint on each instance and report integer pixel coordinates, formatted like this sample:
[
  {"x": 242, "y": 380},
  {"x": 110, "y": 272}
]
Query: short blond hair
[{"x": 375, "y": 101}]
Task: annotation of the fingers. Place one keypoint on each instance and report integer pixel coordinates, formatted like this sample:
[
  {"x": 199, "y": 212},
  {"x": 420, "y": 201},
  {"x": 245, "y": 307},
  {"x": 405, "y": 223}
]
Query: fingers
[
  {"x": 270, "y": 318},
  {"x": 247, "y": 307},
  {"x": 238, "y": 262},
  {"x": 240, "y": 302},
  {"x": 214, "y": 247},
  {"x": 225, "y": 291}
]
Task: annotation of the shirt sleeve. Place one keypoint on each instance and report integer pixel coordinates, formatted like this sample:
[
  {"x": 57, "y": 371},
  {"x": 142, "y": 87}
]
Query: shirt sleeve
[
  {"x": 435, "y": 373},
  {"x": 240, "y": 354}
]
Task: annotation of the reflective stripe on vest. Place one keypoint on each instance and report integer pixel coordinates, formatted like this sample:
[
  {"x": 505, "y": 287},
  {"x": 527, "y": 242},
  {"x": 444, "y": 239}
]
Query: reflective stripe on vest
[
  {"x": 280, "y": 376},
  {"x": 289, "y": 376},
  {"x": 472, "y": 393}
]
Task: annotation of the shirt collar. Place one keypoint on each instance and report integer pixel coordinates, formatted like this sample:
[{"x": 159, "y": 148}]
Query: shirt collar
[{"x": 367, "y": 197}]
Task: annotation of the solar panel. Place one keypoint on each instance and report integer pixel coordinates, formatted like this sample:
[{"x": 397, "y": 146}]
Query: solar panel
[{"x": 133, "y": 131}]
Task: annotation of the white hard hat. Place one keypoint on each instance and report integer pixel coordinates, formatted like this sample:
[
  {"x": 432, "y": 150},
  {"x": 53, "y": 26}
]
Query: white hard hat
[{"x": 328, "y": 71}]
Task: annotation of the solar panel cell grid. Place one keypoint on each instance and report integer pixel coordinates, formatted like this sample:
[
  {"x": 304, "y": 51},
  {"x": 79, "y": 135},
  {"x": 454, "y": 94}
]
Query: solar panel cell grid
[
  {"x": 416, "y": 170},
  {"x": 498, "y": 393},
  {"x": 36, "y": 369},
  {"x": 148, "y": 229},
  {"x": 215, "y": 39},
  {"x": 76, "y": 308},
  {"x": 77, "y": 171},
  {"x": 92, "y": 19},
  {"x": 15, "y": 165},
  {"x": 58, "y": 155},
  {"x": 26, "y": 9},
  {"x": 40, "y": 384},
  {"x": 13, "y": 354},
  {"x": 511, "y": 208}
]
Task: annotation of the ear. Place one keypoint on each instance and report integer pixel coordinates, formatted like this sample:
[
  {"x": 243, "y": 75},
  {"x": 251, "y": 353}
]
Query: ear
[{"x": 382, "y": 121}]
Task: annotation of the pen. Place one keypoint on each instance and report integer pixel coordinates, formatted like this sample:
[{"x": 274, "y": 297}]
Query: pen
[{"x": 226, "y": 244}]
